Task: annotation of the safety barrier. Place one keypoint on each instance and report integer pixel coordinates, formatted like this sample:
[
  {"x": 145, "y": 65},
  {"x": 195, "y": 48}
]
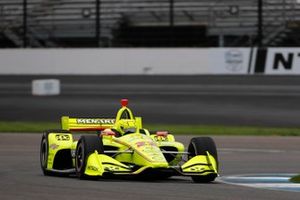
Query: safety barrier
[{"x": 138, "y": 61}]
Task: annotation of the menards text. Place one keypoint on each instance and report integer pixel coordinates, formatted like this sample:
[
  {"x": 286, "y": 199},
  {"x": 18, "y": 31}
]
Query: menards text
[{"x": 95, "y": 121}]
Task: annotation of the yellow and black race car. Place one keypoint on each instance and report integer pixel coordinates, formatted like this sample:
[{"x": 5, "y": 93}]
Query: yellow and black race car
[{"x": 122, "y": 147}]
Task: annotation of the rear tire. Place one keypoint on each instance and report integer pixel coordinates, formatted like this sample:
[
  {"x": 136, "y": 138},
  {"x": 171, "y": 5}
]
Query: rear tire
[
  {"x": 86, "y": 145},
  {"x": 199, "y": 146}
]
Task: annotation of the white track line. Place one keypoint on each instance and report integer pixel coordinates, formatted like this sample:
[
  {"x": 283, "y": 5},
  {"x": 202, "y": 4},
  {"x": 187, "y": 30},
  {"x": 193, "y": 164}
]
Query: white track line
[
  {"x": 263, "y": 181},
  {"x": 252, "y": 150}
]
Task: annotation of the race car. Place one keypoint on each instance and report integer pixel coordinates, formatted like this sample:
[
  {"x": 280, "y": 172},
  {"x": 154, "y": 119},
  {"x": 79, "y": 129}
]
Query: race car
[{"x": 123, "y": 147}]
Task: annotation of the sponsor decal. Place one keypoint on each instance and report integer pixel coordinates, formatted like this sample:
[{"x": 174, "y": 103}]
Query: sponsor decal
[
  {"x": 93, "y": 168},
  {"x": 160, "y": 138},
  {"x": 234, "y": 60},
  {"x": 62, "y": 137},
  {"x": 54, "y": 146},
  {"x": 197, "y": 169},
  {"x": 95, "y": 121},
  {"x": 142, "y": 143},
  {"x": 112, "y": 168},
  {"x": 73, "y": 153}
]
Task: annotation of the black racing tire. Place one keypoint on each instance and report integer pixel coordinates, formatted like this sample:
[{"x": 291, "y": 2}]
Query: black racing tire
[
  {"x": 199, "y": 146},
  {"x": 87, "y": 144},
  {"x": 44, "y": 151}
]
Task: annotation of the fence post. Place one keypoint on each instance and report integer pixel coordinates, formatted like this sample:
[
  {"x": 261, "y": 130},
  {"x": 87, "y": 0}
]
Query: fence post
[
  {"x": 171, "y": 14},
  {"x": 260, "y": 35},
  {"x": 25, "y": 23},
  {"x": 98, "y": 24}
]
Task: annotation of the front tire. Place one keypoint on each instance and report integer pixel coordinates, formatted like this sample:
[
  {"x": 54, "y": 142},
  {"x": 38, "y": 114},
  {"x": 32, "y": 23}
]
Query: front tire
[
  {"x": 86, "y": 145},
  {"x": 199, "y": 146},
  {"x": 44, "y": 152}
]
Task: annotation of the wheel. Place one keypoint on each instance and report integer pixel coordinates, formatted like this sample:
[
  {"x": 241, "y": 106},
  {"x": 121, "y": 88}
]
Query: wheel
[
  {"x": 44, "y": 151},
  {"x": 86, "y": 145},
  {"x": 199, "y": 146},
  {"x": 44, "y": 154}
]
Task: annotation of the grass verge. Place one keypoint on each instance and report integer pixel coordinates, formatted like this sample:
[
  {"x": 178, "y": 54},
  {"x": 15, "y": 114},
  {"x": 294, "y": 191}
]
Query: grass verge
[
  {"x": 295, "y": 179},
  {"x": 38, "y": 127}
]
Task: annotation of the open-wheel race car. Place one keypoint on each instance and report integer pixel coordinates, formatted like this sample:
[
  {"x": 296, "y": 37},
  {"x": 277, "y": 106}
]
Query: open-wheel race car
[{"x": 122, "y": 147}]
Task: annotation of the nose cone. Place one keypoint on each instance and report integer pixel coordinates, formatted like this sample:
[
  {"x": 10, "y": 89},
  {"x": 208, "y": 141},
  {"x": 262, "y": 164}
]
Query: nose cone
[{"x": 147, "y": 153}]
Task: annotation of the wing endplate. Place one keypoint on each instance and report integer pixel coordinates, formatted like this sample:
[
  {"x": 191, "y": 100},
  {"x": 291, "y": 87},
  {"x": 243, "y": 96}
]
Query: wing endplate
[{"x": 200, "y": 165}]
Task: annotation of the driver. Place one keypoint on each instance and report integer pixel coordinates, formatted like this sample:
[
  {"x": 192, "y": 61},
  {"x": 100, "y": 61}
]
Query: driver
[
  {"x": 122, "y": 127},
  {"x": 125, "y": 126}
]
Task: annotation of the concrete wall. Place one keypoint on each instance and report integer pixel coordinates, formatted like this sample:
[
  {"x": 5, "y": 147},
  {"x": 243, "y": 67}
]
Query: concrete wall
[
  {"x": 161, "y": 61},
  {"x": 125, "y": 61}
]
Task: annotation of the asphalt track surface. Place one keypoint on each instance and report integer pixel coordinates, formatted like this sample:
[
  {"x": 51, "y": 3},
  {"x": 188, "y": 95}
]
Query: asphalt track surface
[
  {"x": 228, "y": 100},
  {"x": 21, "y": 176}
]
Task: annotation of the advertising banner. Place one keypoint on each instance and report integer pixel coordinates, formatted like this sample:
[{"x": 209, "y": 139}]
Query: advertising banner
[{"x": 283, "y": 61}]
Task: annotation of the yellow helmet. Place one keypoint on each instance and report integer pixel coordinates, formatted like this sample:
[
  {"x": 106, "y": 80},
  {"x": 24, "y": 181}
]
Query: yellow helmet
[{"x": 125, "y": 126}]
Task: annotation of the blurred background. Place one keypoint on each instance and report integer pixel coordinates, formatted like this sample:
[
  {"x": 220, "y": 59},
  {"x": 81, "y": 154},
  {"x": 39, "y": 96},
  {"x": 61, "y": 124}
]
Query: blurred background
[
  {"x": 149, "y": 23},
  {"x": 221, "y": 62}
]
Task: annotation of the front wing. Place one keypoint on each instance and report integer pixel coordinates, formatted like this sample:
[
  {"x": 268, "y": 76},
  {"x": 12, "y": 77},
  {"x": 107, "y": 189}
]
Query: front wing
[{"x": 102, "y": 165}]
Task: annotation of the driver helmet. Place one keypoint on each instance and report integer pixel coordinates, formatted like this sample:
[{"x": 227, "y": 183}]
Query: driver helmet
[{"x": 126, "y": 126}]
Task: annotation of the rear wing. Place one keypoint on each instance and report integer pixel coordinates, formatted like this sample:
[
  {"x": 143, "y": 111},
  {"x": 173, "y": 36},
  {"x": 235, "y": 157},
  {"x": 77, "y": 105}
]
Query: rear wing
[{"x": 86, "y": 124}]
